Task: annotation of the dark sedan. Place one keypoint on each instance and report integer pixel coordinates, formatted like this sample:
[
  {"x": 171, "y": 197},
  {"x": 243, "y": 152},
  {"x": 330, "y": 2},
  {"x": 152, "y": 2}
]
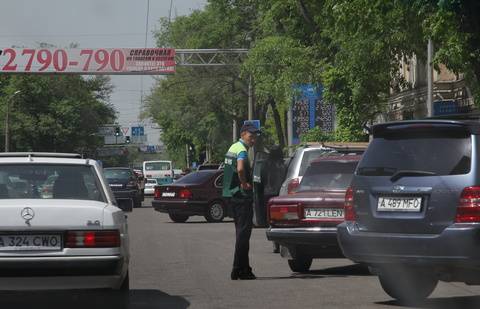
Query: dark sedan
[
  {"x": 305, "y": 223},
  {"x": 196, "y": 194},
  {"x": 125, "y": 185}
]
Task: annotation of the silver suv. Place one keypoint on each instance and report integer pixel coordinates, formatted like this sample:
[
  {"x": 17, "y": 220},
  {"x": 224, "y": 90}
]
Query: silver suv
[{"x": 304, "y": 155}]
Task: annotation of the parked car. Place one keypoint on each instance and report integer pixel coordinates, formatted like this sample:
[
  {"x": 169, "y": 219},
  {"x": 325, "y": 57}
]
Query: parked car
[
  {"x": 125, "y": 185},
  {"x": 304, "y": 155},
  {"x": 305, "y": 223},
  {"x": 412, "y": 211},
  {"x": 196, "y": 194},
  {"x": 177, "y": 174},
  {"x": 209, "y": 166},
  {"x": 74, "y": 238},
  {"x": 291, "y": 172},
  {"x": 150, "y": 186}
]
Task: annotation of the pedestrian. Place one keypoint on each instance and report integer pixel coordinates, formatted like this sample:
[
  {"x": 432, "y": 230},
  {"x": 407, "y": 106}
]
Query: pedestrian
[{"x": 237, "y": 187}]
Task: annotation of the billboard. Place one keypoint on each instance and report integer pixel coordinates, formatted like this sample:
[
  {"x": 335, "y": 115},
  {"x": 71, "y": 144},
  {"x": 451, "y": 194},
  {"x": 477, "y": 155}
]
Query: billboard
[
  {"x": 309, "y": 110},
  {"x": 107, "y": 61}
]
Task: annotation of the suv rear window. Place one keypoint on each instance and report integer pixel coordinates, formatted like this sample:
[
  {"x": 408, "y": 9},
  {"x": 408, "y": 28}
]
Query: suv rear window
[
  {"x": 441, "y": 152},
  {"x": 117, "y": 173},
  {"x": 196, "y": 177},
  {"x": 328, "y": 175}
]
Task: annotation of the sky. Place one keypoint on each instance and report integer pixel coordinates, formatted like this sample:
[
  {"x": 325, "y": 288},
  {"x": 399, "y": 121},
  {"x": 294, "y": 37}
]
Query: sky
[{"x": 94, "y": 24}]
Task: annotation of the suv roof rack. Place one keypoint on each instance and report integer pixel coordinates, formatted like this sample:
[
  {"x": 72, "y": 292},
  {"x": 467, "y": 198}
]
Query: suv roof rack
[
  {"x": 340, "y": 145},
  {"x": 41, "y": 155}
]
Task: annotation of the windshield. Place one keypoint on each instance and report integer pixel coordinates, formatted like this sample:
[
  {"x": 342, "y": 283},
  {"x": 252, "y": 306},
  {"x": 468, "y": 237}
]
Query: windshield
[
  {"x": 158, "y": 166},
  {"x": 328, "y": 175},
  {"x": 439, "y": 153},
  {"x": 118, "y": 174},
  {"x": 37, "y": 181},
  {"x": 196, "y": 177}
]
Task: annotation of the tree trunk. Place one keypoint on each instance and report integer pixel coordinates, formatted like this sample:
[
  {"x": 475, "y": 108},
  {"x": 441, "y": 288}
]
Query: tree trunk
[{"x": 278, "y": 123}]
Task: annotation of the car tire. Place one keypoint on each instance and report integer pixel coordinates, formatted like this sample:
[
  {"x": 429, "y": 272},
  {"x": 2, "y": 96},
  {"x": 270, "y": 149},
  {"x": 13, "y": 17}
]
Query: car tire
[
  {"x": 276, "y": 247},
  {"x": 300, "y": 264},
  {"x": 177, "y": 218},
  {"x": 137, "y": 202},
  {"x": 408, "y": 286},
  {"x": 215, "y": 212}
]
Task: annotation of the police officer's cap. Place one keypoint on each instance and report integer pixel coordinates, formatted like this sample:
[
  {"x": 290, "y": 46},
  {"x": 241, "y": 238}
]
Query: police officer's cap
[{"x": 250, "y": 127}]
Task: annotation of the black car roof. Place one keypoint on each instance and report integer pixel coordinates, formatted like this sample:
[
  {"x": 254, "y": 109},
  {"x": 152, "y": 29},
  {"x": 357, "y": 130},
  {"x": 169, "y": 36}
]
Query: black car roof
[{"x": 473, "y": 126}]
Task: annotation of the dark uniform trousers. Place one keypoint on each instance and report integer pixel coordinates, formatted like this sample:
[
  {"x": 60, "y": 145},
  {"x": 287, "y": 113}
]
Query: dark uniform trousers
[{"x": 243, "y": 216}]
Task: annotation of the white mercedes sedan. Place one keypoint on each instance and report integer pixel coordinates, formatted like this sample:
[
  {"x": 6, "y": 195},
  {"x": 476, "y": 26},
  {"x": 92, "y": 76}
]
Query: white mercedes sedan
[{"x": 60, "y": 227}]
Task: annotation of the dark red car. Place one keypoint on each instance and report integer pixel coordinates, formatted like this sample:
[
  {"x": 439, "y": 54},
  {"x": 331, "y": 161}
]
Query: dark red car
[
  {"x": 196, "y": 194},
  {"x": 305, "y": 223}
]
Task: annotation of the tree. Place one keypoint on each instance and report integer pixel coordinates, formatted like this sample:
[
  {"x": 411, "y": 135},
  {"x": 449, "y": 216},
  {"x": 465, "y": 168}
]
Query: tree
[
  {"x": 56, "y": 113},
  {"x": 197, "y": 106},
  {"x": 454, "y": 27}
]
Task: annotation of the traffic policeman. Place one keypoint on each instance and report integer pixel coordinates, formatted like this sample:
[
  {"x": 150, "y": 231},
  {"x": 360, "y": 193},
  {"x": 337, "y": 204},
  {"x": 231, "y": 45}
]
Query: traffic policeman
[{"x": 237, "y": 187}]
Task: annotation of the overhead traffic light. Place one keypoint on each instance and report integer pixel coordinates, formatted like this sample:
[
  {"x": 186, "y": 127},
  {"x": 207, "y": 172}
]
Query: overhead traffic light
[
  {"x": 127, "y": 139},
  {"x": 117, "y": 131}
]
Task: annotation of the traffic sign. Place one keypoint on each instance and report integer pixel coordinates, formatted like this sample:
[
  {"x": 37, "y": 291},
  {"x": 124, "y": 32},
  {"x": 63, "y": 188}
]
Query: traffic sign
[
  {"x": 125, "y": 130},
  {"x": 138, "y": 131}
]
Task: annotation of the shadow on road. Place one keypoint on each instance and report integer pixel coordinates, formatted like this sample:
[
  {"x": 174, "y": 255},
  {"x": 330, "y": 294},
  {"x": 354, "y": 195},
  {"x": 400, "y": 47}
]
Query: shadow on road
[
  {"x": 200, "y": 222},
  {"x": 340, "y": 271},
  {"x": 464, "y": 302},
  {"x": 138, "y": 299}
]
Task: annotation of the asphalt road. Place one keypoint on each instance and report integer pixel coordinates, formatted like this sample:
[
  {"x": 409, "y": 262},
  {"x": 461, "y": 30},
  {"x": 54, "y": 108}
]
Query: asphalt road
[{"x": 188, "y": 265}]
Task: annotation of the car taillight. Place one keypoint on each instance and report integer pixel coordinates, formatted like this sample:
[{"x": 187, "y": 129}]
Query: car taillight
[
  {"x": 92, "y": 239},
  {"x": 157, "y": 193},
  {"x": 283, "y": 212},
  {"x": 349, "y": 208},
  {"x": 468, "y": 209},
  {"x": 293, "y": 185},
  {"x": 185, "y": 194}
]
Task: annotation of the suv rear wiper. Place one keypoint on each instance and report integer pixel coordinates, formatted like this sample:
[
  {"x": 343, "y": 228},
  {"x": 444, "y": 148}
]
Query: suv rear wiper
[{"x": 403, "y": 173}]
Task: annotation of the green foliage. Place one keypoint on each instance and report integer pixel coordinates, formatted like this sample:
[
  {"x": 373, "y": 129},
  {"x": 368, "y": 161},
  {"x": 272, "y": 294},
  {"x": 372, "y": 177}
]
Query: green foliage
[
  {"x": 56, "y": 113},
  {"x": 454, "y": 27},
  {"x": 352, "y": 47},
  {"x": 197, "y": 106}
]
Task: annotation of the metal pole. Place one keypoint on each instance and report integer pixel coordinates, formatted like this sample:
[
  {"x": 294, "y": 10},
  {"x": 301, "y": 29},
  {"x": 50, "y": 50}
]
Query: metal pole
[
  {"x": 250, "y": 98},
  {"x": 7, "y": 120},
  {"x": 290, "y": 130},
  {"x": 430, "y": 78},
  {"x": 187, "y": 152},
  {"x": 235, "y": 133}
]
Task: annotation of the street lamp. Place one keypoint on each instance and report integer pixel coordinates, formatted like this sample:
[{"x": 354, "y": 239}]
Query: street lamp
[{"x": 7, "y": 121}]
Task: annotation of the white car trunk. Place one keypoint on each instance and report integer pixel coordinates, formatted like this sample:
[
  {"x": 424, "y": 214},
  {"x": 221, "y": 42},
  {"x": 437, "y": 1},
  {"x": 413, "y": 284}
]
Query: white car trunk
[{"x": 38, "y": 214}]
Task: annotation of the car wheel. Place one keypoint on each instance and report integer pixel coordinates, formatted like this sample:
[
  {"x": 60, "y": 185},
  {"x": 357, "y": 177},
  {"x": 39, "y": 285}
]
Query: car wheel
[
  {"x": 408, "y": 286},
  {"x": 178, "y": 218},
  {"x": 137, "y": 202},
  {"x": 300, "y": 264},
  {"x": 276, "y": 247},
  {"x": 215, "y": 212}
]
